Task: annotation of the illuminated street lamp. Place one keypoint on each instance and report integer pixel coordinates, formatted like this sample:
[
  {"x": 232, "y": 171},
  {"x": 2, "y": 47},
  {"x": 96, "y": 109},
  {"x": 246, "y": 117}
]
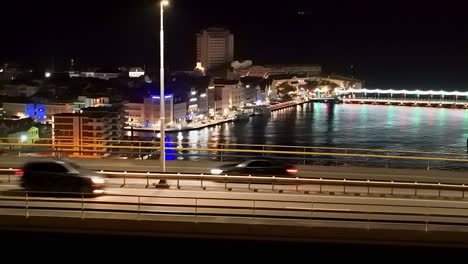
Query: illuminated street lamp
[{"x": 162, "y": 114}]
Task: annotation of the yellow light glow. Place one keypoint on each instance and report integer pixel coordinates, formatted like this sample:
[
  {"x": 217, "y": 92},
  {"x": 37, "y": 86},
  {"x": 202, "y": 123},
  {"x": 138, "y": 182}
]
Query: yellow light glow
[{"x": 164, "y": 3}]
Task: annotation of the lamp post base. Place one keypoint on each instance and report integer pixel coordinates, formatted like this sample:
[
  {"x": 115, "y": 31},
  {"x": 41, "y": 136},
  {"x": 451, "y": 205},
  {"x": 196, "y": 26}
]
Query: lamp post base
[{"x": 162, "y": 184}]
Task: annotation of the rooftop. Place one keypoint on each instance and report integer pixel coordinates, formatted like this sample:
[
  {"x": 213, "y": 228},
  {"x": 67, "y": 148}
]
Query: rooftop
[
  {"x": 225, "y": 82},
  {"x": 84, "y": 114}
]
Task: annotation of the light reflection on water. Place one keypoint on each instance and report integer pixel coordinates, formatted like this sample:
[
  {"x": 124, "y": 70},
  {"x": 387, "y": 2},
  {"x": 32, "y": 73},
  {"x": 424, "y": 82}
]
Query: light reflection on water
[{"x": 343, "y": 125}]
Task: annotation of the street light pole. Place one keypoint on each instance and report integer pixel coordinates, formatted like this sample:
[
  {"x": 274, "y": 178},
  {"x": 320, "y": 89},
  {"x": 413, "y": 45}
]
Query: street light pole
[{"x": 162, "y": 114}]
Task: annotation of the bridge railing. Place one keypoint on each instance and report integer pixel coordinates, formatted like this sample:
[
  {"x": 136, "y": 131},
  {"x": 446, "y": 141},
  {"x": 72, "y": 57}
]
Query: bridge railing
[
  {"x": 32, "y": 204},
  {"x": 278, "y": 184},
  {"x": 381, "y": 98},
  {"x": 306, "y": 155}
]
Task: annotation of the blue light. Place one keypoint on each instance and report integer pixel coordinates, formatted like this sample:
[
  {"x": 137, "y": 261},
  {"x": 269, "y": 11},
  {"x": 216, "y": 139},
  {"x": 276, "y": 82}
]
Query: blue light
[
  {"x": 170, "y": 153},
  {"x": 158, "y": 97},
  {"x": 147, "y": 124},
  {"x": 41, "y": 112},
  {"x": 29, "y": 110}
]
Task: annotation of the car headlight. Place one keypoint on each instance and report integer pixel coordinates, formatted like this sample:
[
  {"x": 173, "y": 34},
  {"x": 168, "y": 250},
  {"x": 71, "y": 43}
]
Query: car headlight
[
  {"x": 96, "y": 180},
  {"x": 216, "y": 171}
]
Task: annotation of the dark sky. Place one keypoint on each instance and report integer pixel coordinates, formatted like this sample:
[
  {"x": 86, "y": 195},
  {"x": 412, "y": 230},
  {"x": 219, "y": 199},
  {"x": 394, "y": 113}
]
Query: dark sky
[{"x": 393, "y": 44}]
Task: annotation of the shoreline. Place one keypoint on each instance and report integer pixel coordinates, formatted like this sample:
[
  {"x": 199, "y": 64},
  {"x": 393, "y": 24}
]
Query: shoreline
[{"x": 211, "y": 123}]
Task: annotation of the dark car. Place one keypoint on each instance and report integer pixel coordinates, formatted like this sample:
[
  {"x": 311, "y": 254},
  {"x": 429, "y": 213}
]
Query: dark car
[
  {"x": 257, "y": 167},
  {"x": 60, "y": 176}
]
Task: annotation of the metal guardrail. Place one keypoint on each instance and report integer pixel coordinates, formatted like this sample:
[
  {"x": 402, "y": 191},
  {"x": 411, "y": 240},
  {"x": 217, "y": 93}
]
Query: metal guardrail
[
  {"x": 278, "y": 183},
  {"x": 298, "y": 154},
  {"x": 26, "y": 203}
]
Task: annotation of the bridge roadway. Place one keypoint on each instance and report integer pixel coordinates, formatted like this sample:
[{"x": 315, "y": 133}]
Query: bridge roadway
[
  {"x": 306, "y": 171},
  {"x": 246, "y": 215},
  {"x": 400, "y": 219}
]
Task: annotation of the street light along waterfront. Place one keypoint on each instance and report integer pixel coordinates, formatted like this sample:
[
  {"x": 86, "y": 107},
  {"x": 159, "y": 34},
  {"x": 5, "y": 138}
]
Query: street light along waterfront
[{"x": 162, "y": 114}]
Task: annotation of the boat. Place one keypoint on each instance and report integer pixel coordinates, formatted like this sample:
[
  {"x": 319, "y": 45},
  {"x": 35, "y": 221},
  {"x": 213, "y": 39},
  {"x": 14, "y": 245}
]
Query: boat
[
  {"x": 240, "y": 116},
  {"x": 262, "y": 110}
]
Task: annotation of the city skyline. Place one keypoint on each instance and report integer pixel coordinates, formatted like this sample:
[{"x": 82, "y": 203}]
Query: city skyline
[{"x": 412, "y": 46}]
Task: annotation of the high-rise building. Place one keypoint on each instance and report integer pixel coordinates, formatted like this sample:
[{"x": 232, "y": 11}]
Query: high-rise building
[
  {"x": 80, "y": 134},
  {"x": 215, "y": 47}
]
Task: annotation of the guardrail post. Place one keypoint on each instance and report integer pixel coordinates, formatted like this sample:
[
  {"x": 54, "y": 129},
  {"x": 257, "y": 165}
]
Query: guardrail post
[
  {"x": 124, "y": 179},
  {"x": 201, "y": 182},
  {"x": 415, "y": 189},
  {"x": 225, "y": 181},
  {"x": 178, "y": 181},
  {"x": 273, "y": 183},
  {"x": 320, "y": 186},
  {"x": 82, "y": 205},
  {"x": 27, "y": 205},
  {"x": 139, "y": 206},
  {"x": 297, "y": 184},
  {"x": 9, "y": 175},
  {"x": 344, "y": 186},
  {"x": 428, "y": 167},
  {"x": 147, "y": 179},
  {"x": 249, "y": 181},
  {"x": 463, "y": 191},
  {"x": 439, "y": 189}
]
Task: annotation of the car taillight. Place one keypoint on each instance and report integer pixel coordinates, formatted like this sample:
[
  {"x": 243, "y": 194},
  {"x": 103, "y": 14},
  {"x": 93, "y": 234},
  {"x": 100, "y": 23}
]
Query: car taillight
[
  {"x": 19, "y": 172},
  {"x": 293, "y": 171}
]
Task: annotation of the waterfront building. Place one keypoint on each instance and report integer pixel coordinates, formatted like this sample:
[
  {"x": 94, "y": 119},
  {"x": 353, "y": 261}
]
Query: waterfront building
[{"x": 215, "y": 47}]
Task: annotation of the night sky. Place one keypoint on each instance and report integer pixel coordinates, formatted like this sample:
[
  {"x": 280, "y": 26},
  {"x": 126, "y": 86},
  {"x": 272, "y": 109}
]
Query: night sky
[{"x": 393, "y": 44}]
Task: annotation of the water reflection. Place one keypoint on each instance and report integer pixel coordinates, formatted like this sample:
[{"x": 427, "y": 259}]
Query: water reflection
[{"x": 320, "y": 124}]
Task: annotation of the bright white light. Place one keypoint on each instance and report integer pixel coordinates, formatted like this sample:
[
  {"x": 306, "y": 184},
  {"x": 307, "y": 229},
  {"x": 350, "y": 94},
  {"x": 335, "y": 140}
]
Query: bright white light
[
  {"x": 98, "y": 191},
  {"x": 23, "y": 138},
  {"x": 1, "y": 70},
  {"x": 136, "y": 74},
  {"x": 97, "y": 180},
  {"x": 48, "y": 74},
  {"x": 216, "y": 171},
  {"x": 164, "y": 3},
  {"x": 193, "y": 92},
  {"x": 203, "y": 95},
  {"x": 193, "y": 99}
]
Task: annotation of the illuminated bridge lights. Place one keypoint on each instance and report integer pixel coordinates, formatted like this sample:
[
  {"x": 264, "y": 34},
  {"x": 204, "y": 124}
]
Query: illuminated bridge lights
[{"x": 404, "y": 92}]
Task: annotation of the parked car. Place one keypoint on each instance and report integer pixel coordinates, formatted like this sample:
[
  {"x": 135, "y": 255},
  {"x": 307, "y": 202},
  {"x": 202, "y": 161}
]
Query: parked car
[
  {"x": 257, "y": 167},
  {"x": 60, "y": 176}
]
